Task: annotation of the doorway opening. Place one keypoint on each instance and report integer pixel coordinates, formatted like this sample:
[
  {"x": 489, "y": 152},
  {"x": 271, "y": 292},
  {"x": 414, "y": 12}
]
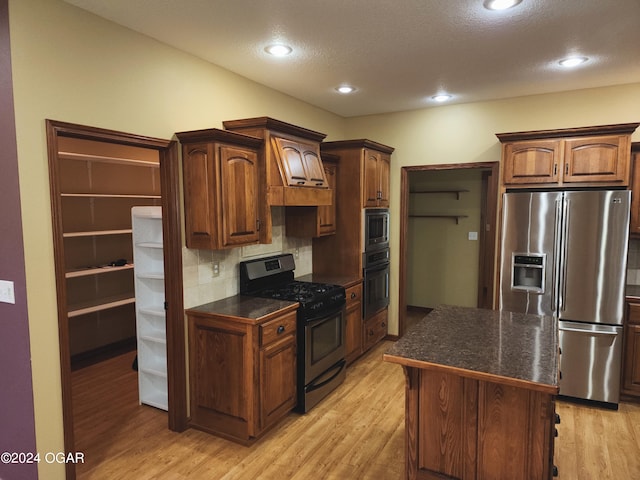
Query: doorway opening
[
  {"x": 95, "y": 177},
  {"x": 447, "y": 237}
]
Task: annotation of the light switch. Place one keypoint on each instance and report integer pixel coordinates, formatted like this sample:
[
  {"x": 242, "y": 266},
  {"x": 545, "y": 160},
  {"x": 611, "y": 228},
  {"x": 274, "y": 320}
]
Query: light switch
[
  {"x": 7, "y": 294},
  {"x": 473, "y": 235}
]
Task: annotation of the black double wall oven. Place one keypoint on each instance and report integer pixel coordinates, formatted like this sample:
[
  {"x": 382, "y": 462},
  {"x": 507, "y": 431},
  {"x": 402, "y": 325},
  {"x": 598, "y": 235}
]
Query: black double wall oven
[
  {"x": 375, "y": 260},
  {"x": 320, "y": 323}
]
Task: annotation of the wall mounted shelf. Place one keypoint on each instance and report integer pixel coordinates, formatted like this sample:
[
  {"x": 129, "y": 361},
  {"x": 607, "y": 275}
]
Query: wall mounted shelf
[
  {"x": 454, "y": 217},
  {"x": 455, "y": 191}
]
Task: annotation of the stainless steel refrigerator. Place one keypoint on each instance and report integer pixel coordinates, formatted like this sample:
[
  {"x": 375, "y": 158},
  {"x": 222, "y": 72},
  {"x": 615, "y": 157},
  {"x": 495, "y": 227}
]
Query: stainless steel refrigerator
[{"x": 564, "y": 254}]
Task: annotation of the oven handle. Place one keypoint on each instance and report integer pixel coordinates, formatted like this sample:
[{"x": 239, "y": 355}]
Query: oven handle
[
  {"x": 334, "y": 311},
  {"x": 311, "y": 388},
  {"x": 376, "y": 268}
]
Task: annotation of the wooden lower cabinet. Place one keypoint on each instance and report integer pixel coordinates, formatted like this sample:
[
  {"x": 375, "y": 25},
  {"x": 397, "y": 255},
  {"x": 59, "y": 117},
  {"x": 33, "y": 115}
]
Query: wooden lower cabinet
[
  {"x": 354, "y": 326},
  {"x": 631, "y": 357},
  {"x": 463, "y": 428},
  {"x": 242, "y": 374},
  {"x": 375, "y": 328}
]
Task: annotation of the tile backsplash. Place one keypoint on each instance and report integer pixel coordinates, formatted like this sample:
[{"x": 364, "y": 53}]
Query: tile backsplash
[
  {"x": 202, "y": 284},
  {"x": 633, "y": 262}
]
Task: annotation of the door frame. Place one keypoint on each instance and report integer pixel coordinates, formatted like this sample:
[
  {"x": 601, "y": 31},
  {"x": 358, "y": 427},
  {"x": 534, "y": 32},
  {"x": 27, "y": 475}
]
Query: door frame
[
  {"x": 488, "y": 236},
  {"x": 171, "y": 229}
]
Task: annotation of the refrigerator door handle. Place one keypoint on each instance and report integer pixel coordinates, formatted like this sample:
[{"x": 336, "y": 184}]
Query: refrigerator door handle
[
  {"x": 556, "y": 251},
  {"x": 565, "y": 249},
  {"x": 588, "y": 332}
]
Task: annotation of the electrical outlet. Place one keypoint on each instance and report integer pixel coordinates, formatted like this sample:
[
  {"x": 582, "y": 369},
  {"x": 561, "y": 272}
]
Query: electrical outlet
[
  {"x": 7, "y": 294},
  {"x": 296, "y": 253},
  {"x": 216, "y": 269}
]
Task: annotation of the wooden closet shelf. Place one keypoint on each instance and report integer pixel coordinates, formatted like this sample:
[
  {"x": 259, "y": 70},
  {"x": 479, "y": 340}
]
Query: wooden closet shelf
[
  {"x": 105, "y": 304},
  {"x": 96, "y": 233},
  {"x": 108, "y": 195},
  {"x": 97, "y": 271},
  {"x": 454, "y": 217},
  {"x": 100, "y": 158}
]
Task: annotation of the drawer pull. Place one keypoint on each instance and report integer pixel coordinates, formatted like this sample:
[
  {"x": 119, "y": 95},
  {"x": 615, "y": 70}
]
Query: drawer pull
[
  {"x": 383, "y": 324},
  {"x": 280, "y": 329},
  {"x": 353, "y": 295}
]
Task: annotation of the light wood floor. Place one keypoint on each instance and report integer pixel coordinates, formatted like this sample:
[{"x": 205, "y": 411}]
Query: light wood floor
[{"x": 356, "y": 433}]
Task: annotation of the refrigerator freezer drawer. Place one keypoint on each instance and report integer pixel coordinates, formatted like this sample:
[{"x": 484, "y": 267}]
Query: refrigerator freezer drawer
[{"x": 590, "y": 361}]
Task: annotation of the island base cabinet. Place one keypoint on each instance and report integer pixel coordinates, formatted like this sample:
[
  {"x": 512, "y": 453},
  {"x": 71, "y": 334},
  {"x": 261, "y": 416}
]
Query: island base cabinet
[{"x": 463, "y": 428}]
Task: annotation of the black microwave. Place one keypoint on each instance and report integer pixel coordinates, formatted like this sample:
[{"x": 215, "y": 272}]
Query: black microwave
[{"x": 375, "y": 227}]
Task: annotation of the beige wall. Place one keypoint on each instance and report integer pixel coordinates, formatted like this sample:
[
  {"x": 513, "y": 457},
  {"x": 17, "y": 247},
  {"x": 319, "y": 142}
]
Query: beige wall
[
  {"x": 74, "y": 67},
  {"x": 442, "y": 262}
]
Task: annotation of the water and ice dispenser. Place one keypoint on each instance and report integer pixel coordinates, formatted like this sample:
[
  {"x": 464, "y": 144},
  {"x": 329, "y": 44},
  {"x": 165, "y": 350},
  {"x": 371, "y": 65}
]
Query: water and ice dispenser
[{"x": 528, "y": 272}]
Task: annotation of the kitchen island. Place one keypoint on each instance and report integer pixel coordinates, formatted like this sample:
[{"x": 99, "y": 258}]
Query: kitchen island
[{"x": 480, "y": 394}]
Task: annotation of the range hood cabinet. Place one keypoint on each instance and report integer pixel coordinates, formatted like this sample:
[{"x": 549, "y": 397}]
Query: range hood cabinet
[{"x": 292, "y": 165}]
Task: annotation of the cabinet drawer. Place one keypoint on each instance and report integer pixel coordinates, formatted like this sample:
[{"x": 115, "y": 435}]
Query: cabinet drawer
[
  {"x": 277, "y": 328},
  {"x": 375, "y": 329},
  {"x": 633, "y": 313},
  {"x": 354, "y": 295}
]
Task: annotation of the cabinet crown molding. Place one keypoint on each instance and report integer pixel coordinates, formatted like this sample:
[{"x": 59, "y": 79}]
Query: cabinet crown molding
[
  {"x": 274, "y": 125},
  {"x": 355, "y": 143},
  {"x": 617, "y": 129}
]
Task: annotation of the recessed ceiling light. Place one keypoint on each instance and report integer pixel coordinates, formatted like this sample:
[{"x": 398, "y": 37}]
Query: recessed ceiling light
[
  {"x": 278, "y": 50},
  {"x": 345, "y": 89},
  {"x": 571, "y": 62},
  {"x": 443, "y": 97},
  {"x": 500, "y": 4}
]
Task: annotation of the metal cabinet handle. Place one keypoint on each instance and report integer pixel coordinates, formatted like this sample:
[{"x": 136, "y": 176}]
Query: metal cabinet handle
[
  {"x": 280, "y": 329},
  {"x": 353, "y": 295}
]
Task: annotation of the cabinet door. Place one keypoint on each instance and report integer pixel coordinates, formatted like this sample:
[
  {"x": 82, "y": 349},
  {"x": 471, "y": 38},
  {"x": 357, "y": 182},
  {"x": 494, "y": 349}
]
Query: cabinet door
[
  {"x": 327, "y": 213},
  {"x": 313, "y": 165},
  {"x": 635, "y": 194},
  {"x": 277, "y": 380},
  {"x": 239, "y": 196},
  {"x": 221, "y": 377},
  {"x": 535, "y": 161},
  {"x": 597, "y": 159},
  {"x": 384, "y": 166},
  {"x": 632, "y": 360},
  {"x": 199, "y": 177},
  {"x": 300, "y": 163},
  {"x": 353, "y": 320},
  {"x": 371, "y": 183}
]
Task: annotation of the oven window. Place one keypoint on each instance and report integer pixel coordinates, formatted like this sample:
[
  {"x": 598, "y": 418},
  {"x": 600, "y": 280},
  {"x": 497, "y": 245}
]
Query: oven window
[
  {"x": 326, "y": 338},
  {"x": 377, "y": 228}
]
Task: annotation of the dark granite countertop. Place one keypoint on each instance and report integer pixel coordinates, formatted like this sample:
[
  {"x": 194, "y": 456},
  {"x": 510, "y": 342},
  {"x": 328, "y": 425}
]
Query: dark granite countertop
[
  {"x": 344, "y": 280},
  {"x": 633, "y": 292},
  {"x": 503, "y": 347},
  {"x": 245, "y": 309}
]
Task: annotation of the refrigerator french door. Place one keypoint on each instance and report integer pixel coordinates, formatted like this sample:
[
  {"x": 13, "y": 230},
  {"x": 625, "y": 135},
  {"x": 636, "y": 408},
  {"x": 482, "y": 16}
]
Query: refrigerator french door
[{"x": 564, "y": 254}]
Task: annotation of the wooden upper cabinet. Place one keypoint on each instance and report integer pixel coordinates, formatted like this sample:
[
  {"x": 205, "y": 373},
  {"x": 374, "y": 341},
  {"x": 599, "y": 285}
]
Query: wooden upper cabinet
[
  {"x": 308, "y": 222},
  {"x": 635, "y": 189},
  {"x": 376, "y": 166},
  {"x": 327, "y": 213},
  {"x": 293, "y": 173},
  {"x": 221, "y": 188},
  {"x": 300, "y": 163},
  {"x": 589, "y": 156}
]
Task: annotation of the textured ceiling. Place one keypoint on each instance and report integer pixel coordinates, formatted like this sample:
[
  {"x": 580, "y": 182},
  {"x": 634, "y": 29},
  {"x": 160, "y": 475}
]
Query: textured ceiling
[{"x": 398, "y": 53}]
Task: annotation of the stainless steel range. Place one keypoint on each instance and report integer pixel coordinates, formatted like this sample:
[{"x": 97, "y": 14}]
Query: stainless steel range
[{"x": 321, "y": 323}]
